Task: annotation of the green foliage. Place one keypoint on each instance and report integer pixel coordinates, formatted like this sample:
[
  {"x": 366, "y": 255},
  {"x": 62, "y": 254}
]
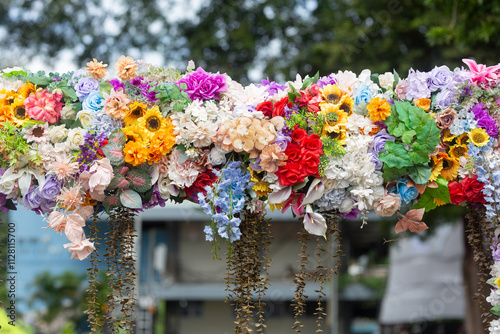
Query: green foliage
[
  {"x": 14, "y": 146},
  {"x": 427, "y": 198},
  {"x": 332, "y": 147},
  {"x": 130, "y": 199},
  {"x": 395, "y": 156}
]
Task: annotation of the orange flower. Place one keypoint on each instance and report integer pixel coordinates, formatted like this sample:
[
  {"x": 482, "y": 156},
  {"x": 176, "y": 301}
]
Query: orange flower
[
  {"x": 378, "y": 109},
  {"x": 135, "y": 153},
  {"x": 126, "y": 68},
  {"x": 423, "y": 104},
  {"x": 97, "y": 69}
]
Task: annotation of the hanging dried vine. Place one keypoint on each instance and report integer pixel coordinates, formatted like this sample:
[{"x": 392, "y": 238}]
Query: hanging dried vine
[
  {"x": 247, "y": 273},
  {"x": 479, "y": 235},
  {"x": 93, "y": 306},
  {"x": 111, "y": 256},
  {"x": 299, "y": 299}
]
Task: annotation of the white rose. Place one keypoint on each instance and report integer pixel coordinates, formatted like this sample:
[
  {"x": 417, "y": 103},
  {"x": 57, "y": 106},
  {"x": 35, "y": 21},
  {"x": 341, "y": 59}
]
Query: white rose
[
  {"x": 68, "y": 112},
  {"x": 75, "y": 138},
  {"x": 346, "y": 205},
  {"x": 217, "y": 156},
  {"x": 6, "y": 187},
  {"x": 58, "y": 133},
  {"x": 386, "y": 80},
  {"x": 163, "y": 187},
  {"x": 85, "y": 117}
]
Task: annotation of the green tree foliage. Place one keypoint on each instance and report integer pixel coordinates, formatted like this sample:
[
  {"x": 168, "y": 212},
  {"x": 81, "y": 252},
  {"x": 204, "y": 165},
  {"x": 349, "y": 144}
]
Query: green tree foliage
[{"x": 278, "y": 38}]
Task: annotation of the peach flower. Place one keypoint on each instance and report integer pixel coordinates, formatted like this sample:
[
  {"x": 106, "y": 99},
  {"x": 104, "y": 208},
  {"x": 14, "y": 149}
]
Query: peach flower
[
  {"x": 126, "y": 68},
  {"x": 80, "y": 250},
  {"x": 116, "y": 103},
  {"x": 271, "y": 158},
  {"x": 388, "y": 205},
  {"x": 97, "y": 69}
]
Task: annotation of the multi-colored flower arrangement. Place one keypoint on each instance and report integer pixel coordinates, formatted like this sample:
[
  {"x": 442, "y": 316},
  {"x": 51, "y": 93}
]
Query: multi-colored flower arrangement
[{"x": 78, "y": 143}]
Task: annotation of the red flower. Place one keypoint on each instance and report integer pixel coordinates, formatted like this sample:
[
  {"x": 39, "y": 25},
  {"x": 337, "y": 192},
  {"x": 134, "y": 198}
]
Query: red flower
[
  {"x": 290, "y": 174},
  {"x": 203, "y": 180},
  {"x": 456, "y": 192},
  {"x": 299, "y": 135},
  {"x": 473, "y": 190},
  {"x": 313, "y": 144},
  {"x": 293, "y": 152},
  {"x": 266, "y": 108},
  {"x": 310, "y": 163},
  {"x": 279, "y": 107}
]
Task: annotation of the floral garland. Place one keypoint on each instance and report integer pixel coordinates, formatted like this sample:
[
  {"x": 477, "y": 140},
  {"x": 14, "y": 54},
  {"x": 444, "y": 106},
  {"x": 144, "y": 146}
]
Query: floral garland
[{"x": 80, "y": 143}]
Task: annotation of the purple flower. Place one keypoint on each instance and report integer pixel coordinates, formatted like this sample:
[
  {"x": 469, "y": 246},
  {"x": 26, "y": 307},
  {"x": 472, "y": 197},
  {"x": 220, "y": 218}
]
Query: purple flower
[
  {"x": 445, "y": 98},
  {"x": 51, "y": 188},
  {"x": 255, "y": 165},
  {"x": 117, "y": 84},
  {"x": 77, "y": 75},
  {"x": 353, "y": 214},
  {"x": 495, "y": 249},
  {"x": 479, "y": 111},
  {"x": 136, "y": 81},
  {"x": 439, "y": 78},
  {"x": 203, "y": 85},
  {"x": 145, "y": 90},
  {"x": 272, "y": 87},
  {"x": 32, "y": 199},
  {"x": 328, "y": 80},
  {"x": 85, "y": 86},
  {"x": 47, "y": 206},
  {"x": 378, "y": 144},
  {"x": 282, "y": 140},
  {"x": 488, "y": 123},
  {"x": 417, "y": 85}
]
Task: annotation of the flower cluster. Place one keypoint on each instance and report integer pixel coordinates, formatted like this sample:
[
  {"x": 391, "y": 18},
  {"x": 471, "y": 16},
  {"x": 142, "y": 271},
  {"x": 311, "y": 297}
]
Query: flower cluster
[{"x": 80, "y": 142}]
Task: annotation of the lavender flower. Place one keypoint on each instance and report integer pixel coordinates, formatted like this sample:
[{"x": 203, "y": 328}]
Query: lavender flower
[
  {"x": 272, "y": 87},
  {"x": 417, "y": 85},
  {"x": 439, "y": 78},
  {"x": 445, "y": 98},
  {"x": 51, "y": 188},
  {"x": 203, "y": 85},
  {"x": 85, "y": 86},
  {"x": 327, "y": 80}
]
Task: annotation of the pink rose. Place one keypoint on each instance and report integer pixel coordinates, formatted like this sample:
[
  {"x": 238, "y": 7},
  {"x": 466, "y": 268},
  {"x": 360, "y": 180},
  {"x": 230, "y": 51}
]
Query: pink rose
[
  {"x": 80, "y": 250},
  {"x": 102, "y": 173},
  {"x": 44, "y": 106},
  {"x": 388, "y": 205},
  {"x": 401, "y": 88}
]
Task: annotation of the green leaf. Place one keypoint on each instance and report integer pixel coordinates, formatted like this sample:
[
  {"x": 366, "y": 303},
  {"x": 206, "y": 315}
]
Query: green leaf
[
  {"x": 111, "y": 202},
  {"x": 403, "y": 109},
  {"x": 418, "y": 118},
  {"x": 71, "y": 123},
  {"x": 114, "y": 153},
  {"x": 425, "y": 201},
  {"x": 40, "y": 81},
  {"x": 105, "y": 87},
  {"x": 391, "y": 123},
  {"x": 420, "y": 174},
  {"x": 441, "y": 192},
  {"x": 375, "y": 78},
  {"x": 428, "y": 136},
  {"x": 418, "y": 154},
  {"x": 400, "y": 130},
  {"x": 395, "y": 155},
  {"x": 117, "y": 182},
  {"x": 69, "y": 92},
  {"x": 139, "y": 181},
  {"x": 131, "y": 199},
  {"x": 396, "y": 77},
  {"x": 495, "y": 310},
  {"x": 117, "y": 137},
  {"x": 391, "y": 174},
  {"x": 408, "y": 136}
]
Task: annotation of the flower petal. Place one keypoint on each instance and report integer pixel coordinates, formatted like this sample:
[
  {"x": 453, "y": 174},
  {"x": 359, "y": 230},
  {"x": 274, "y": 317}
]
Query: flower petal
[
  {"x": 280, "y": 196},
  {"x": 314, "y": 223}
]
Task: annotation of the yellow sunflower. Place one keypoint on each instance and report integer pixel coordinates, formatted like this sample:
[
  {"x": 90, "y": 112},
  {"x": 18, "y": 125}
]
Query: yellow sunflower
[
  {"x": 463, "y": 139},
  {"x": 437, "y": 166},
  {"x": 332, "y": 93},
  {"x": 458, "y": 150},
  {"x": 26, "y": 90},
  {"x": 450, "y": 168},
  {"x": 335, "y": 118},
  {"x": 18, "y": 113},
  {"x": 438, "y": 202},
  {"x": 261, "y": 188},
  {"x": 9, "y": 97},
  {"x": 479, "y": 137},
  {"x": 135, "y": 111},
  {"x": 134, "y": 133},
  {"x": 152, "y": 121},
  {"x": 447, "y": 136},
  {"x": 340, "y": 136}
]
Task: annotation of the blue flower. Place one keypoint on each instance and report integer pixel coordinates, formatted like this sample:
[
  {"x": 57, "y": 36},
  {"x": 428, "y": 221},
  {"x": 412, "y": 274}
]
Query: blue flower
[
  {"x": 93, "y": 102},
  {"x": 406, "y": 194},
  {"x": 362, "y": 95}
]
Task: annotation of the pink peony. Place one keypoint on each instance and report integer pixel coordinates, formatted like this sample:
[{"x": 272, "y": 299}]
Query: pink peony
[
  {"x": 102, "y": 173},
  {"x": 80, "y": 250},
  {"x": 44, "y": 106}
]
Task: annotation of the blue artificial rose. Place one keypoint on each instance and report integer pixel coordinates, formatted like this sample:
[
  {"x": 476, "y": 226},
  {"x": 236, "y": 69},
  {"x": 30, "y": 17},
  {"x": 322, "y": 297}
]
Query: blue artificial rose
[
  {"x": 85, "y": 86},
  {"x": 93, "y": 102},
  {"x": 362, "y": 95},
  {"x": 406, "y": 194}
]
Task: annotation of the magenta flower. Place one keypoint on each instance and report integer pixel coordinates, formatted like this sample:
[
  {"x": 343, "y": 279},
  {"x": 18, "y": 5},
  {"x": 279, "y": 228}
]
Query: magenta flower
[
  {"x": 481, "y": 74},
  {"x": 203, "y": 85}
]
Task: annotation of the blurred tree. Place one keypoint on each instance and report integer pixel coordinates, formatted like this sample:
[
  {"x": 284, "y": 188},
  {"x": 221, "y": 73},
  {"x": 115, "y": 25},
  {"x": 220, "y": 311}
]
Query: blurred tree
[{"x": 278, "y": 38}]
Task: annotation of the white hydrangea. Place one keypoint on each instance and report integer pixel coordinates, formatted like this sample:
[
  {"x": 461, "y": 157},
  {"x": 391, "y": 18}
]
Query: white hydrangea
[
  {"x": 494, "y": 297},
  {"x": 494, "y": 327}
]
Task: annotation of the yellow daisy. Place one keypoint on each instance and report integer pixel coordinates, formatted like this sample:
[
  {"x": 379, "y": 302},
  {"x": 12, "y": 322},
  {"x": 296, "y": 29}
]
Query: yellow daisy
[{"x": 152, "y": 121}]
